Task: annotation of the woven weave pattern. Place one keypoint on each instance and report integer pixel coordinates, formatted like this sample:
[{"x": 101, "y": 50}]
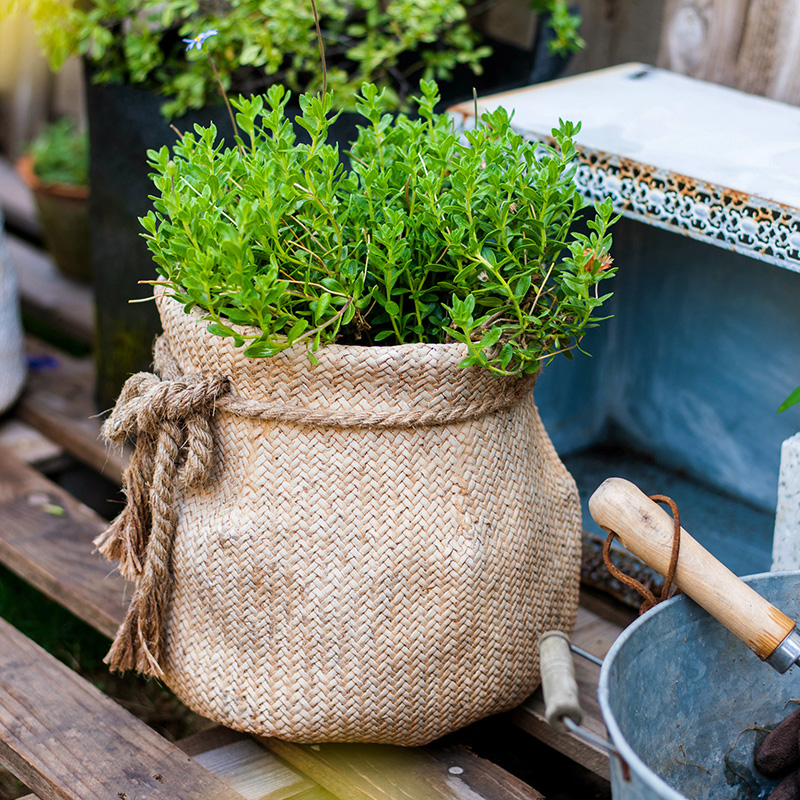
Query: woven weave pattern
[{"x": 365, "y": 583}]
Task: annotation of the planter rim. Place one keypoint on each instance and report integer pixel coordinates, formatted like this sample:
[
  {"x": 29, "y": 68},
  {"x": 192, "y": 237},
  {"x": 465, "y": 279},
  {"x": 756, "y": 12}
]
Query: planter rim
[
  {"x": 33, "y": 182},
  {"x": 345, "y": 378},
  {"x": 455, "y": 349}
]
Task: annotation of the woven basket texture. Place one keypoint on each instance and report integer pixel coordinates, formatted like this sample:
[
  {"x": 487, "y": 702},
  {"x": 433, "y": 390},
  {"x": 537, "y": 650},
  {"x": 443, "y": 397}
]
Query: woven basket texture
[
  {"x": 12, "y": 345},
  {"x": 364, "y": 583}
]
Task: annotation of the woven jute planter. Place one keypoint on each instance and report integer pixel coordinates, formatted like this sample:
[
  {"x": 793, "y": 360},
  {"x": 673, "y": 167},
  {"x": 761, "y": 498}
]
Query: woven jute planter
[{"x": 362, "y": 550}]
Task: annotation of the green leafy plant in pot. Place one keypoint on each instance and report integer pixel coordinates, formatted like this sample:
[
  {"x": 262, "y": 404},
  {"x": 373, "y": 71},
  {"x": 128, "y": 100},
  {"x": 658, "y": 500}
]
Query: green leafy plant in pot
[
  {"x": 345, "y": 519},
  {"x": 56, "y": 169}
]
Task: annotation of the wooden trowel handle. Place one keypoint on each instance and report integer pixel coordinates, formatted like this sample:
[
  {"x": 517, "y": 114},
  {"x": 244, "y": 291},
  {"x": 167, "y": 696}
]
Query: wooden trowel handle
[{"x": 646, "y": 530}]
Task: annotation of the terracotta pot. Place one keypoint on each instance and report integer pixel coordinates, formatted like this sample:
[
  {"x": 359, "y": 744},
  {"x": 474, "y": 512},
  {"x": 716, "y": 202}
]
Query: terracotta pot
[{"x": 64, "y": 215}]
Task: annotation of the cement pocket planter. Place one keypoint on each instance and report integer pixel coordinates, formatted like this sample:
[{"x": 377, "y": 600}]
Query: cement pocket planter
[{"x": 362, "y": 550}]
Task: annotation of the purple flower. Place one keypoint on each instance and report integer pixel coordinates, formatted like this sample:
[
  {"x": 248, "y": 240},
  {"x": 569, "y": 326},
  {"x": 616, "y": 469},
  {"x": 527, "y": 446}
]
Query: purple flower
[{"x": 198, "y": 40}]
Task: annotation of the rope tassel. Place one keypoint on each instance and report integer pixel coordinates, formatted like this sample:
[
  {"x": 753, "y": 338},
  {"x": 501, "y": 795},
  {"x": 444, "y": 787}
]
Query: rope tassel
[{"x": 174, "y": 444}]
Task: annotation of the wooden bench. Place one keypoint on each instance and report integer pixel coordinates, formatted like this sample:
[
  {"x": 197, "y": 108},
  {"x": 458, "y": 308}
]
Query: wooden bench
[{"x": 65, "y": 739}]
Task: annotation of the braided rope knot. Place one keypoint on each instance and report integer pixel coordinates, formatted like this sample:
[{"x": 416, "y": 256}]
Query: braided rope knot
[{"x": 171, "y": 420}]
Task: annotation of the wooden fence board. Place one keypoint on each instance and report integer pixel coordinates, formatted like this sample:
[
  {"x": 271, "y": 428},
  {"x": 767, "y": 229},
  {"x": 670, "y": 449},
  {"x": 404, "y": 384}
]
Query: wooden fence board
[{"x": 752, "y": 45}]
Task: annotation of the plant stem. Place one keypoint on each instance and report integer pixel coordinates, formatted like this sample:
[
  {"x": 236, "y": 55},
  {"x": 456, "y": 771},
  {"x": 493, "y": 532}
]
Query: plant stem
[
  {"x": 225, "y": 98},
  {"x": 321, "y": 50}
]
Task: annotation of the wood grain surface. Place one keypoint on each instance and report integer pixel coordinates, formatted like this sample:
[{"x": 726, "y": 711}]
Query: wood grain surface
[
  {"x": 57, "y": 401},
  {"x": 384, "y": 772},
  {"x": 752, "y": 45},
  {"x": 46, "y": 538},
  {"x": 68, "y": 741}
]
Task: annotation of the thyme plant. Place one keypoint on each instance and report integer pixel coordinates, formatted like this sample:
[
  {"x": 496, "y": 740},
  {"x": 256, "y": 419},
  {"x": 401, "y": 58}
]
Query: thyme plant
[{"x": 432, "y": 235}]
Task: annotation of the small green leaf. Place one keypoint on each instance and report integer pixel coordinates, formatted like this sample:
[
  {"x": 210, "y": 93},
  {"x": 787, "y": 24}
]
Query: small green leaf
[{"x": 792, "y": 400}]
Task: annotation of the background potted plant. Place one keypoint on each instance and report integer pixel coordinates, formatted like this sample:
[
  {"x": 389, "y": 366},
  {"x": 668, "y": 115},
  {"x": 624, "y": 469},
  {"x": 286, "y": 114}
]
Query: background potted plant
[
  {"x": 140, "y": 66},
  {"x": 56, "y": 169},
  {"x": 342, "y": 494}
]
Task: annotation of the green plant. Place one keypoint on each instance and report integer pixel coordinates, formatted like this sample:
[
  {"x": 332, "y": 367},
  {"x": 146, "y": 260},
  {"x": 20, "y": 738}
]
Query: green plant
[
  {"x": 564, "y": 24},
  {"x": 60, "y": 154},
  {"x": 792, "y": 400},
  {"x": 431, "y": 236},
  {"x": 263, "y": 42}
]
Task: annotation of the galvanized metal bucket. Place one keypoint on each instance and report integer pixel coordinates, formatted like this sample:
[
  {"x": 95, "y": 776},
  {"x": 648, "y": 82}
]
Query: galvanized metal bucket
[{"x": 686, "y": 703}]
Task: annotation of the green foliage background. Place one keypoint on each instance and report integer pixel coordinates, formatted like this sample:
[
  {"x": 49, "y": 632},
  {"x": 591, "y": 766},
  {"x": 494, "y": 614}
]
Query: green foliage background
[
  {"x": 392, "y": 43},
  {"x": 61, "y": 154}
]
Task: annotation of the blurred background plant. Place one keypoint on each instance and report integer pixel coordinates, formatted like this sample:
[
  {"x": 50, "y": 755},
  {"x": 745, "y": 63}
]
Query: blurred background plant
[
  {"x": 263, "y": 42},
  {"x": 60, "y": 154}
]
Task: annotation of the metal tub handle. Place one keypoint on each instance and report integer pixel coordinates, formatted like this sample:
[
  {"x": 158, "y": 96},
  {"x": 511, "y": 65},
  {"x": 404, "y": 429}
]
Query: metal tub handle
[{"x": 560, "y": 689}]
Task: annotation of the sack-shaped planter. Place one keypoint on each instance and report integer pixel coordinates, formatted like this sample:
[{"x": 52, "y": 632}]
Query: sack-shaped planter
[{"x": 366, "y": 549}]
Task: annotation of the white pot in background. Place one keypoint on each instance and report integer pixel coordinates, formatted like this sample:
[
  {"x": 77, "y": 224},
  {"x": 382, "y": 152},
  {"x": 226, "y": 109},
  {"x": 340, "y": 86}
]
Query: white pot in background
[{"x": 12, "y": 344}]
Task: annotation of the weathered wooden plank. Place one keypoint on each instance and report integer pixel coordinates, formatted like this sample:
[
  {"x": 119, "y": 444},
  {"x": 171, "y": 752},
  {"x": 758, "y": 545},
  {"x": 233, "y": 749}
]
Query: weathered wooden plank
[
  {"x": 703, "y": 39},
  {"x": 752, "y": 45},
  {"x": 68, "y": 741},
  {"x": 615, "y": 32},
  {"x": 383, "y": 772},
  {"x": 57, "y": 402},
  {"x": 29, "y": 444},
  {"x": 46, "y": 538},
  {"x": 249, "y": 768},
  {"x": 48, "y": 296}
]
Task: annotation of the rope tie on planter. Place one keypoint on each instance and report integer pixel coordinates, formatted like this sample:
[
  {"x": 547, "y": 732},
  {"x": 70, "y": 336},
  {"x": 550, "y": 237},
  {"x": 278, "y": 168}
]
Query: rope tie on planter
[
  {"x": 170, "y": 418},
  {"x": 174, "y": 444}
]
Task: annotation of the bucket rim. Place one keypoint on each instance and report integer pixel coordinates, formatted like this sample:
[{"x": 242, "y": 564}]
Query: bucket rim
[{"x": 657, "y": 784}]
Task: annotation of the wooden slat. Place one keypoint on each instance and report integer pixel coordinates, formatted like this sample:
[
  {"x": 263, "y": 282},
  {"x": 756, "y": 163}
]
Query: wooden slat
[
  {"x": 382, "y": 772},
  {"x": 53, "y": 552},
  {"x": 46, "y": 538},
  {"x": 58, "y": 402},
  {"x": 68, "y": 741},
  {"x": 752, "y": 45},
  {"x": 29, "y": 444},
  {"x": 49, "y": 297},
  {"x": 703, "y": 40},
  {"x": 249, "y": 768},
  {"x": 616, "y": 32}
]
